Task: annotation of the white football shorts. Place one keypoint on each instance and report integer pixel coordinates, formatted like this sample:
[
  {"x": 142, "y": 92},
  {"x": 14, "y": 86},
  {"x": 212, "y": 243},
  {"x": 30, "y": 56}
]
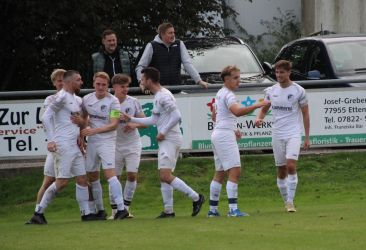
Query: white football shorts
[
  {"x": 128, "y": 156},
  {"x": 100, "y": 153},
  {"x": 225, "y": 148},
  {"x": 68, "y": 160},
  {"x": 284, "y": 149}
]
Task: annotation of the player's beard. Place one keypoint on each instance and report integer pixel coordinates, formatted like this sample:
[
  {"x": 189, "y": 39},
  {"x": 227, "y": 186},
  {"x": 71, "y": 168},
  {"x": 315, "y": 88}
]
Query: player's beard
[{"x": 77, "y": 91}]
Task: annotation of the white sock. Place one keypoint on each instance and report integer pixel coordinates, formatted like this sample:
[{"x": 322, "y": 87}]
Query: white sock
[
  {"x": 82, "y": 197},
  {"x": 232, "y": 194},
  {"x": 116, "y": 191},
  {"x": 215, "y": 190},
  {"x": 92, "y": 207},
  {"x": 37, "y": 207},
  {"x": 111, "y": 201},
  {"x": 47, "y": 198},
  {"x": 282, "y": 186},
  {"x": 97, "y": 194},
  {"x": 130, "y": 188},
  {"x": 180, "y": 185},
  {"x": 292, "y": 181},
  {"x": 167, "y": 193}
]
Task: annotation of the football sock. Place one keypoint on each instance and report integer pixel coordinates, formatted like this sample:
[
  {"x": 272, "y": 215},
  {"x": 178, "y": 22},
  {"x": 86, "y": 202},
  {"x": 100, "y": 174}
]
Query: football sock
[
  {"x": 282, "y": 186},
  {"x": 116, "y": 191},
  {"x": 232, "y": 194},
  {"x": 167, "y": 194},
  {"x": 82, "y": 197},
  {"x": 215, "y": 190},
  {"x": 129, "y": 191},
  {"x": 184, "y": 188},
  {"x": 292, "y": 181},
  {"x": 97, "y": 194},
  {"x": 47, "y": 198}
]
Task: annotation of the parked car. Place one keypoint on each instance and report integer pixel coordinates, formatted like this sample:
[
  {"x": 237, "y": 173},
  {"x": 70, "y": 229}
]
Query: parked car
[
  {"x": 211, "y": 55},
  {"x": 334, "y": 56}
]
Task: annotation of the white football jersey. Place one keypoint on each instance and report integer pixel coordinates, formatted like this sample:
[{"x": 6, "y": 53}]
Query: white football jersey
[
  {"x": 285, "y": 104},
  {"x": 65, "y": 105},
  {"x": 132, "y": 107},
  {"x": 224, "y": 118},
  {"x": 99, "y": 111},
  {"x": 164, "y": 104}
]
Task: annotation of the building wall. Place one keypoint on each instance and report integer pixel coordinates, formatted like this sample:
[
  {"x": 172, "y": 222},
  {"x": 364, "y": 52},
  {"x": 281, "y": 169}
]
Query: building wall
[{"x": 334, "y": 15}]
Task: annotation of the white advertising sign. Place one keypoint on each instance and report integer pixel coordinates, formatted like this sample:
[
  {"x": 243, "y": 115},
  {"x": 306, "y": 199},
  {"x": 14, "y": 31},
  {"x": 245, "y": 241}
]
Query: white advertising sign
[{"x": 337, "y": 118}]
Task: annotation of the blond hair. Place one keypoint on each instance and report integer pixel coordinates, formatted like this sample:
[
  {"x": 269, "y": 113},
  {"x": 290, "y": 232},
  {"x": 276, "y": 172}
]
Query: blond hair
[
  {"x": 101, "y": 74},
  {"x": 57, "y": 73},
  {"x": 228, "y": 70}
]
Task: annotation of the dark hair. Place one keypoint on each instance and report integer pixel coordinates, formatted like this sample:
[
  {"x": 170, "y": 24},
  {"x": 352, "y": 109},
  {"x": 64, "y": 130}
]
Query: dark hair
[
  {"x": 163, "y": 27},
  {"x": 121, "y": 79},
  {"x": 108, "y": 32},
  {"x": 283, "y": 64},
  {"x": 70, "y": 73},
  {"x": 151, "y": 73},
  {"x": 227, "y": 71}
]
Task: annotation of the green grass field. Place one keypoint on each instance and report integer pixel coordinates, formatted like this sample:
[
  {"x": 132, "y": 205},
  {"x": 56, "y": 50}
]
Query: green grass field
[{"x": 331, "y": 204}]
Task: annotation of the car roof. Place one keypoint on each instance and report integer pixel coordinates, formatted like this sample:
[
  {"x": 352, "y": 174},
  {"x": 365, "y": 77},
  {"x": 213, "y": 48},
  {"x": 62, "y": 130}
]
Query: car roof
[
  {"x": 208, "y": 42},
  {"x": 333, "y": 38}
]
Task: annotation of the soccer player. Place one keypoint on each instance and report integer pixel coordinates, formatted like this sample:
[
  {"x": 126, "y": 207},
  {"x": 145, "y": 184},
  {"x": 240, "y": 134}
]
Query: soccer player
[
  {"x": 167, "y": 118},
  {"x": 225, "y": 147},
  {"x": 290, "y": 110},
  {"x": 103, "y": 111},
  {"x": 48, "y": 168},
  {"x": 128, "y": 146},
  {"x": 62, "y": 135}
]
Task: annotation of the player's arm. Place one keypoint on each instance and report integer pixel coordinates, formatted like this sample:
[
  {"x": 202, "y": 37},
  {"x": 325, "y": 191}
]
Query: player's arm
[
  {"x": 213, "y": 113},
  {"x": 239, "y": 110},
  {"x": 130, "y": 126},
  {"x": 147, "y": 121},
  {"x": 306, "y": 121},
  {"x": 262, "y": 113},
  {"x": 112, "y": 125}
]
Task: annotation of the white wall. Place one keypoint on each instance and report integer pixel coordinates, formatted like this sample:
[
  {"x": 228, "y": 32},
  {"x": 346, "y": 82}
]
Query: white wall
[{"x": 335, "y": 15}]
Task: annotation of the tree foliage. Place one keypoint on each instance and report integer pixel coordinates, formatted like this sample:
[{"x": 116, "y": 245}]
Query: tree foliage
[
  {"x": 279, "y": 31},
  {"x": 39, "y": 35}
]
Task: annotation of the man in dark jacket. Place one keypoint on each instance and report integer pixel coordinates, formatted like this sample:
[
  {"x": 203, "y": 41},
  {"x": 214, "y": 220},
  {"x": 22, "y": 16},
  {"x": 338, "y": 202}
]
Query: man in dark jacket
[{"x": 110, "y": 58}]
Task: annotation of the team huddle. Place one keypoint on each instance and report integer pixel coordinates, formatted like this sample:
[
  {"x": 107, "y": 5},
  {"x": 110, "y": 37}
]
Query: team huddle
[{"x": 110, "y": 123}]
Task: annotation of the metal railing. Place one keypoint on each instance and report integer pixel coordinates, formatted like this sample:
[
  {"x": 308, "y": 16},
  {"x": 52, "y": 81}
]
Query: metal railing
[{"x": 137, "y": 91}]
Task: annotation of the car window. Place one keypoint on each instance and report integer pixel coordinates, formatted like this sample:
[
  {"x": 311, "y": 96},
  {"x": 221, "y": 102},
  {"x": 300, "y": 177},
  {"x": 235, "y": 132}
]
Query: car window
[
  {"x": 348, "y": 56},
  {"x": 317, "y": 62},
  {"x": 215, "y": 59},
  {"x": 296, "y": 54}
]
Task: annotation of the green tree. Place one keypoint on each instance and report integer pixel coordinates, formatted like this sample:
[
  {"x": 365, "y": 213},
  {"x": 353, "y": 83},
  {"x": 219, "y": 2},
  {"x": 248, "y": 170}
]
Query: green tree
[{"x": 39, "y": 35}]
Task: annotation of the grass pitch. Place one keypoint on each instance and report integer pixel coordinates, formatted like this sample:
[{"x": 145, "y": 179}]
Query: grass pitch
[{"x": 330, "y": 200}]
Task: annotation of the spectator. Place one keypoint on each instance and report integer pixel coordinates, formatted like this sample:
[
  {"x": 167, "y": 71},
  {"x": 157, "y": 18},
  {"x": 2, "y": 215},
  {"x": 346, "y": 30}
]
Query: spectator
[
  {"x": 166, "y": 54},
  {"x": 110, "y": 58}
]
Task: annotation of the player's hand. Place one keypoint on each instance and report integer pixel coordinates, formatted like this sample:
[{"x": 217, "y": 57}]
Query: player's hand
[
  {"x": 238, "y": 134},
  {"x": 124, "y": 117},
  {"x": 258, "y": 122},
  {"x": 129, "y": 127},
  {"x": 81, "y": 144},
  {"x": 160, "y": 137},
  {"x": 87, "y": 132},
  {"x": 77, "y": 119},
  {"x": 51, "y": 146},
  {"x": 262, "y": 103},
  {"x": 203, "y": 84},
  {"x": 306, "y": 144}
]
